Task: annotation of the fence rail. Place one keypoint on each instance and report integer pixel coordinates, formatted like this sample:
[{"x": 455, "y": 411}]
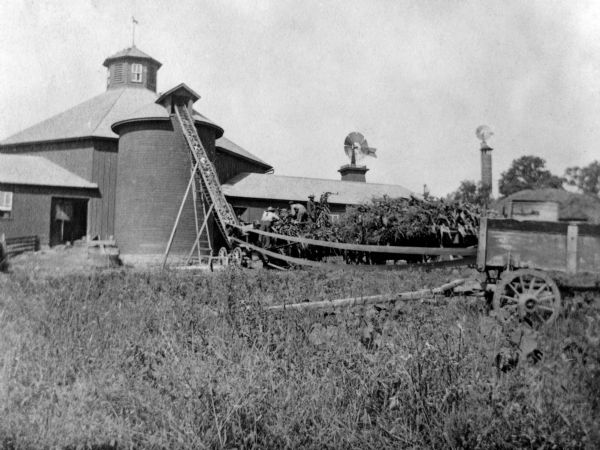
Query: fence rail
[{"x": 22, "y": 244}]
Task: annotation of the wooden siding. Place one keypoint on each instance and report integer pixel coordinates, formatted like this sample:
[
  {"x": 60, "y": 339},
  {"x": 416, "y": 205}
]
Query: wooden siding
[
  {"x": 92, "y": 159},
  {"x": 32, "y": 209},
  {"x": 542, "y": 211},
  {"x": 75, "y": 156},
  {"x": 101, "y": 211}
]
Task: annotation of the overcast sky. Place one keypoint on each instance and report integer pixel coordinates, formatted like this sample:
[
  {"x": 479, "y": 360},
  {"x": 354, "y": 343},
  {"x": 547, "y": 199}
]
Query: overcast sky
[{"x": 288, "y": 80}]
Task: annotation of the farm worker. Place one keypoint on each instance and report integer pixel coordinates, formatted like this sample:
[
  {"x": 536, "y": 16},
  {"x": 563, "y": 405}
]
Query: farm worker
[
  {"x": 311, "y": 209},
  {"x": 266, "y": 222},
  {"x": 298, "y": 211}
]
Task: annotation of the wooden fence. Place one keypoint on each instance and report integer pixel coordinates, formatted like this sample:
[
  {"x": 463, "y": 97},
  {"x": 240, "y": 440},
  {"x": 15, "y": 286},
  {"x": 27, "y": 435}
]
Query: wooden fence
[{"x": 16, "y": 245}]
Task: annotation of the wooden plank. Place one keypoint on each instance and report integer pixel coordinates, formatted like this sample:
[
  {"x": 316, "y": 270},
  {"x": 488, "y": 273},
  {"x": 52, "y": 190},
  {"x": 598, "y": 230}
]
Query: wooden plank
[
  {"x": 532, "y": 226},
  {"x": 572, "y": 232},
  {"x": 364, "y": 301},
  {"x": 396, "y": 250},
  {"x": 481, "y": 248},
  {"x": 305, "y": 262},
  {"x": 545, "y": 251},
  {"x": 588, "y": 253}
]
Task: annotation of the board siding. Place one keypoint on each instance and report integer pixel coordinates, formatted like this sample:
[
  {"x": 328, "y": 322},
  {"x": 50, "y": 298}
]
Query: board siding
[{"x": 32, "y": 209}]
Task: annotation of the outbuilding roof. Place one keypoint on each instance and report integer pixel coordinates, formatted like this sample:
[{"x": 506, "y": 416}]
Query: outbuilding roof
[
  {"x": 280, "y": 187},
  {"x": 571, "y": 205},
  {"x": 38, "y": 171}
]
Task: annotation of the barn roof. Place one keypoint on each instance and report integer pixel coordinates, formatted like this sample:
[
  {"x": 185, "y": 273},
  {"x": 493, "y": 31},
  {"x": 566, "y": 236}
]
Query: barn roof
[
  {"x": 227, "y": 145},
  {"x": 572, "y": 205},
  {"x": 280, "y": 187},
  {"x": 92, "y": 118},
  {"x": 95, "y": 117},
  {"x": 38, "y": 171}
]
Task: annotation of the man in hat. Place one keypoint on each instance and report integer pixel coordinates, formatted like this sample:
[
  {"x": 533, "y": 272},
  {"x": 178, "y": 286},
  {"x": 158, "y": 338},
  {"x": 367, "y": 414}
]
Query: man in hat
[
  {"x": 298, "y": 211},
  {"x": 311, "y": 208},
  {"x": 266, "y": 222}
]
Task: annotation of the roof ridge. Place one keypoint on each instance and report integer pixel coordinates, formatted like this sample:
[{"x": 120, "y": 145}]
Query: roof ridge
[
  {"x": 108, "y": 110},
  {"x": 324, "y": 179}
]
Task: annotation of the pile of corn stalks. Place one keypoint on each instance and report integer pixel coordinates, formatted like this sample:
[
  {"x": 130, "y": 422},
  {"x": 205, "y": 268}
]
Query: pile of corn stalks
[
  {"x": 384, "y": 221},
  {"x": 411, "y": 222}
]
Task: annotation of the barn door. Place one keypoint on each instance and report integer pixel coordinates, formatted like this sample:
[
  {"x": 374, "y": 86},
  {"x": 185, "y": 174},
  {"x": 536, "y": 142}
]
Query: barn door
[{"x": 68, "y": 220}]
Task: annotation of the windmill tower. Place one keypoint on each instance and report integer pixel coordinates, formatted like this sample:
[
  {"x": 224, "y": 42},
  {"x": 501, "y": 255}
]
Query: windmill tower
[
  {"x": 356, "y": 148},
  {"x": 483, "y": 133}
]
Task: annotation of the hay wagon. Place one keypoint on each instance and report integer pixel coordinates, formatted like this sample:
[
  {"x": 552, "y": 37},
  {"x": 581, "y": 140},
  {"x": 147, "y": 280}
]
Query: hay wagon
[{"x": 526, "y": 262}]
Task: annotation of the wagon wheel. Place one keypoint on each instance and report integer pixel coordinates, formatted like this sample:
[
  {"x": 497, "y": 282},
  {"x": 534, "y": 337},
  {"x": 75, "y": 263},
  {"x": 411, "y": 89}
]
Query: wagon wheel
[
  {"x": 236, "y": 256},
  {"x": 531, "y": 294},
  {"x": 222, "y": 255}
]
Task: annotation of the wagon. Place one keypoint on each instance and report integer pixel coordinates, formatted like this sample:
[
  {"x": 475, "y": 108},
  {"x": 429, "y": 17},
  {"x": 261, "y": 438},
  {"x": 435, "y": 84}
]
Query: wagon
[{"x": 524, "y": 260}]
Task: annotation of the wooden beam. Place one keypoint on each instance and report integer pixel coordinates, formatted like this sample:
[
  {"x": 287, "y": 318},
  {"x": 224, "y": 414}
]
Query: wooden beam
[
  {"x": 408, "y": 250},
  {"x": 176, "y": 224},
  {"x": 370, "y": 300},
  {"x": 572, "y": 237},
  {"x": 204, "y": 225}
]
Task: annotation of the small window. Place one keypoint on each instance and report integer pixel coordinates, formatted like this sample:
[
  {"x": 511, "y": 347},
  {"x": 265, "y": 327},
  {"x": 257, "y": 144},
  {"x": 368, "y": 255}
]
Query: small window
[
  {"x": 5, "y": 204},
  {"x": 335, "y": 218},
  {"x": 136, "y": 73}
]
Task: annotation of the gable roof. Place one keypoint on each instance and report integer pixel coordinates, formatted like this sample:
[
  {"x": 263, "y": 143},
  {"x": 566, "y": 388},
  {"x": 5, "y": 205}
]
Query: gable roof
[
  {"x": 232, "y": 147},
  {"x": 280, "y": 187},
  {"x": 38, "y": 171},
  {"x": 180, "y": 88}
]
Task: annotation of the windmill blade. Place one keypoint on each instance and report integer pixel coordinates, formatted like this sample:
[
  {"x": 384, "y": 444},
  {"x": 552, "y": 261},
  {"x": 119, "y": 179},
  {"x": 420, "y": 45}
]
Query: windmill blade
[
  {"x": 369, "y": 151},
  {"x": 354, "y": 137}
]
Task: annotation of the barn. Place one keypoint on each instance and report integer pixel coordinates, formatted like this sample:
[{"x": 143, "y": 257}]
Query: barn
[{"x": 117, "y": 166}]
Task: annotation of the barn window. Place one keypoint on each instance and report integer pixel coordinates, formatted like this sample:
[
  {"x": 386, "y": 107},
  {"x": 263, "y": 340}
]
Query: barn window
[
  {"x": 335, "y": 218},
  {"x": 5, "y": 204},
  {"x": 136, "y": 73}
]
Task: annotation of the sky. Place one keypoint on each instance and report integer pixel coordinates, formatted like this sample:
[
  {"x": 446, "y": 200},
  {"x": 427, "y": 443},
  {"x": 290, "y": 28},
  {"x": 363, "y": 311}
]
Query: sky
[{"x": 288, "y": 80}]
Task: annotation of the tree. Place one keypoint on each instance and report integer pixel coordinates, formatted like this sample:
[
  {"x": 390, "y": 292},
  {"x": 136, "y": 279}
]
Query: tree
[
  {"x": 468, "y": 192},
  {"x": 528, "y": 172},
  {"x": 587, "y": 179}
]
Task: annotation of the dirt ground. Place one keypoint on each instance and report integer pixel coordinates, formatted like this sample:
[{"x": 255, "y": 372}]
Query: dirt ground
[{"x": 56, "y": 261}]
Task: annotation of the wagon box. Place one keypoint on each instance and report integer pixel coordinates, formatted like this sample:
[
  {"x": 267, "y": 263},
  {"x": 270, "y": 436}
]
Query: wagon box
[{"x": 551, "y": 246}]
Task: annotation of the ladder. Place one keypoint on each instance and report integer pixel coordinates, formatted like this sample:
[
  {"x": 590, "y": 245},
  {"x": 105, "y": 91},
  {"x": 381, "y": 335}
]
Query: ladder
[{"x": 209, "y": 181}]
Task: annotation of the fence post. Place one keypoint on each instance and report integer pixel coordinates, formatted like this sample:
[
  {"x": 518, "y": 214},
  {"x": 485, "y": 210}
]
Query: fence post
[{"x": 3, "y": 253}]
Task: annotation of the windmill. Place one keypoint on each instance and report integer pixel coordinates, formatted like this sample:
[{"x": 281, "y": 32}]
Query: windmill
[{"x": 357, "y": 147}]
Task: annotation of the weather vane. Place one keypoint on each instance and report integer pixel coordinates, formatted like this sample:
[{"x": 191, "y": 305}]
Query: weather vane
[{"x": 133, "y": 24}]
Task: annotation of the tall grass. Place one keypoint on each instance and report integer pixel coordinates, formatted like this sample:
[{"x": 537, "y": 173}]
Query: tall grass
[{"x": 167, "y": 360}]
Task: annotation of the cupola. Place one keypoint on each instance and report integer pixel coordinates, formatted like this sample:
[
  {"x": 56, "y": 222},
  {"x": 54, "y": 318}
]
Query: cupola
[{"x": 131, "y": 67}]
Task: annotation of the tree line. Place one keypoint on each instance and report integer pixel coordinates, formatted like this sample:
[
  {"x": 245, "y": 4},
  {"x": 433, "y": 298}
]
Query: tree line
[{"x": 529, "y": 172}]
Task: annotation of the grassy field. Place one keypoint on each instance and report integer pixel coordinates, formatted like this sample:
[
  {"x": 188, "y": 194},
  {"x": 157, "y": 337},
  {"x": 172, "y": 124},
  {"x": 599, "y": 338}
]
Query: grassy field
[{"x": 123, "y": 359}]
